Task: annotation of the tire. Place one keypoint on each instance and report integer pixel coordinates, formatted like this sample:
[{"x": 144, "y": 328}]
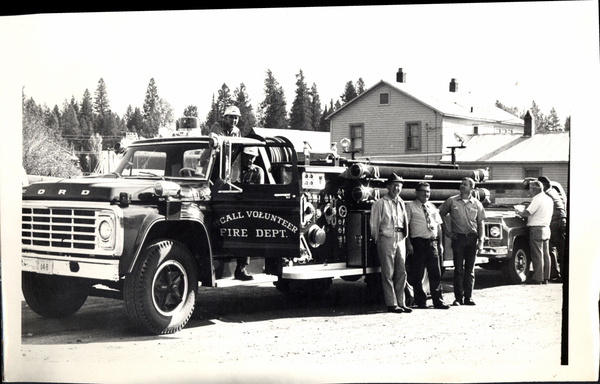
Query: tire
[
  {"x": 516, "y": 269},
  {"x": 54, "y": 296},
  {"x": 160, "y": 293}
]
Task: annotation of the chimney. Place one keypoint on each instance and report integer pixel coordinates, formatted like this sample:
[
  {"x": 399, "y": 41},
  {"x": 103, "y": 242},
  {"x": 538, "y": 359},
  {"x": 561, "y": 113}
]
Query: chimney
[
  {"x": 529, "y": 126},
  {"x": 400, "y": 76},
  {"x": 453, "y": 85}
]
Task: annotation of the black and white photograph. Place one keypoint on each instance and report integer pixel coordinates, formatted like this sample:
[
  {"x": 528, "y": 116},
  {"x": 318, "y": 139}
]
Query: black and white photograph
[{"x": 353, "y": 194}]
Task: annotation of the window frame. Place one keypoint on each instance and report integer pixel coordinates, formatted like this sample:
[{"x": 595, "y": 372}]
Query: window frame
[
  {"x": 408, "y": 137},
  {"x": 361, "y": 127},
  {"x": 389, "y": 101}
]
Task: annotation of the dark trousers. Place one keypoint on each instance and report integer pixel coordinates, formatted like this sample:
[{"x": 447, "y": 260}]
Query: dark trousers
[
  {"x": 557, "y": 250},
  {"x": 464, "y": 250},
  {"x": 425, "y": 255}
]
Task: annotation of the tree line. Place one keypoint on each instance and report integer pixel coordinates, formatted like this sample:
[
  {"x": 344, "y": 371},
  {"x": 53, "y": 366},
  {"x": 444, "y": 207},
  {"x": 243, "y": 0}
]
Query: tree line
[
  {"x": 543, "y": 123},
  {"x": 71, "y": 138}
]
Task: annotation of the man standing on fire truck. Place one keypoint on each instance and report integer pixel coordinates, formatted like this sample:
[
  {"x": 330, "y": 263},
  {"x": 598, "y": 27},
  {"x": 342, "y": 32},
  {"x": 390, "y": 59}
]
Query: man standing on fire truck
[
  {"x": 228, "y": 128},
  {"x": 389, "y": 228},
  {"x": 424, "y": 247},
  {"x": 467, "y": 234}
]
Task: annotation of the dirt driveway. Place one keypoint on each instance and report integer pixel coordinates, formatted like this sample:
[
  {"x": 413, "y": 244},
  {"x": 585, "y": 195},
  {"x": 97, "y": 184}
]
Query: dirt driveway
[{"x": 257, "y": 334}]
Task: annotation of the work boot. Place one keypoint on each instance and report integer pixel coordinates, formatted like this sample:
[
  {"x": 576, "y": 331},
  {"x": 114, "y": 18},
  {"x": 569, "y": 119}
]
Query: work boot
[{"x": 242, "y": 274}]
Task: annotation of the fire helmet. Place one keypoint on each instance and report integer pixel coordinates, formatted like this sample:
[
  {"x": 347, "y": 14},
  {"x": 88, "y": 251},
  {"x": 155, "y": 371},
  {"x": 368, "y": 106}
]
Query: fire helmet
[{"x": 232, "y": 110}]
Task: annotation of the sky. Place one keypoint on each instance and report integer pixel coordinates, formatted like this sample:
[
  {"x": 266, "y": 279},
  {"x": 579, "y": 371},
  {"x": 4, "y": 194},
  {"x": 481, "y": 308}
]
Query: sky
[{"x": 512, "y": 52}]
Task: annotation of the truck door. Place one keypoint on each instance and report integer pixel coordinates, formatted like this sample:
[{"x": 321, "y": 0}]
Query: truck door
[{"x": 257, "y": 219}]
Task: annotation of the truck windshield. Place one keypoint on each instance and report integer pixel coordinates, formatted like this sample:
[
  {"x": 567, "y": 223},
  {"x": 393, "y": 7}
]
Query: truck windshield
[{"x": 188, "y": 160}]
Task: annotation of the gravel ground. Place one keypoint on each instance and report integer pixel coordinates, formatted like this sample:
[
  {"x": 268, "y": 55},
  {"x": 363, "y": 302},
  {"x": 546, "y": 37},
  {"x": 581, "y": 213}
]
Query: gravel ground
[{"x": 254, "y": 333}]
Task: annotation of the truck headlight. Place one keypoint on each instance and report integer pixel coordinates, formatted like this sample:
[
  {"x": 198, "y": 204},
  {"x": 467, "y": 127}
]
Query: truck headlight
[
  {"x": 105, "y": 230},
  {"x": 494, "y": 231}
]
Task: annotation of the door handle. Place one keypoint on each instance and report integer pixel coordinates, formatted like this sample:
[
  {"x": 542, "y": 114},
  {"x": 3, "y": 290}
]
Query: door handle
[{"x": 286, "y": 195}]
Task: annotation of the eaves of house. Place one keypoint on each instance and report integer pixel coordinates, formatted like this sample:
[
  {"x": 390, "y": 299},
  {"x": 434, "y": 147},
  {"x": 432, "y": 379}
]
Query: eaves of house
[
  {"x": 451, "y": 104},
  {"x": 539, "y": 148}
]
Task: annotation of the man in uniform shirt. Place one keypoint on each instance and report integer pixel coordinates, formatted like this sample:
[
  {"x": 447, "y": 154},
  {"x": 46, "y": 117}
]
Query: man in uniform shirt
[
  {"x": 467, "y": 234},
  {"x": 423, "y": 247},
  {"x": 539, "y": 215},
  {"x": 389, "y": 228}
]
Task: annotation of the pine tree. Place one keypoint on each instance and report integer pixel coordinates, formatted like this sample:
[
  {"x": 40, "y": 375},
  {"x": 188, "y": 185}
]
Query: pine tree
[
  {"x": 324, "y": 123},
  {"x": 272, "y": 110},
  {"x": 540, "y": 120},
  {"x": 300, "y": 114},
  {"x": 568, "y": 124},
  {"x": 70, "y": 126},
  {"x": 349, "y": 93},
  {"x": 553, "y": 122},
  {"x": 135, "y": 122},
  {"x": 360, "y": 86},
  {"x": 101, "y": 103},
  {"x": 315, "y": 106},
  {"x": 242, "y": 101},
  {"x": 150, "y": 111}
]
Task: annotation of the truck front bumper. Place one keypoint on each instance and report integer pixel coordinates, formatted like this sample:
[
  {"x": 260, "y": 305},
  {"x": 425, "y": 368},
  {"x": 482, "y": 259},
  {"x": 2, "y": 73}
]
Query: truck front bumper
[
  {"x": 97, "y": 269},
  {"x": 494, "y": 253}
]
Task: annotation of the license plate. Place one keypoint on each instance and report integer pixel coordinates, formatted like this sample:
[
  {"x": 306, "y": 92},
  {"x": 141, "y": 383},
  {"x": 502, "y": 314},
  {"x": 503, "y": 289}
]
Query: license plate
[{"x": 44, "y": 266}]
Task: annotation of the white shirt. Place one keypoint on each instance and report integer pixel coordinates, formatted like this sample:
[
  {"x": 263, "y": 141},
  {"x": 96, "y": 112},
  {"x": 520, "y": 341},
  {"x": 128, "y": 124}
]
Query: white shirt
[{"x": 541, "y": 209}]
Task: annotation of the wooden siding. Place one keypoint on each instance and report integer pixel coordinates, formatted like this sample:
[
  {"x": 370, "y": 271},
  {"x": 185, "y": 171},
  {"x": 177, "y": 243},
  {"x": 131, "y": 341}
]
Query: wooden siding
[{"x": 385, "y": 126}]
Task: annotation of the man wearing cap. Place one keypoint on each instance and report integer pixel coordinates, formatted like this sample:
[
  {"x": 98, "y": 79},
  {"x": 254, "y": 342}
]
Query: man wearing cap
[
  {"x": 424, "y": 246},
  {"x": 251, "y": 173},
  {"x": 539, "y": 215},
  {"x": 467, "y": 234},
  {"x": 558, "y": 226},
  {"x": 389, "y": 228},
  {"x": 228, "y": 126}
]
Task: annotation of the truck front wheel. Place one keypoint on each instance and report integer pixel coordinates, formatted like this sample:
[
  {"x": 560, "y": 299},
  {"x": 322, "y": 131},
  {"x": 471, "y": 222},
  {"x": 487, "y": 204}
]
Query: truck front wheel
[
  {"x": 54, "y": 296},
  {"x": 516, "y": 269},
  {"x": 160, "y": 293}
]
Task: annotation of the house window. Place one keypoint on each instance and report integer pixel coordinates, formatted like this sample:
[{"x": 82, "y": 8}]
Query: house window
[
  {"x": 356, "y": 137},
  {"x": 532, "y": 172},
  {"x": 384, "y": 98},
  {"x": 413, "y": 136},
  {"x": 476, "y": 130}
]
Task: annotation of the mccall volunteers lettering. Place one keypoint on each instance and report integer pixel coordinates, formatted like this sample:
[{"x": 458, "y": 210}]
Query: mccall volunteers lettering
[{"x": 250, "y": 229}]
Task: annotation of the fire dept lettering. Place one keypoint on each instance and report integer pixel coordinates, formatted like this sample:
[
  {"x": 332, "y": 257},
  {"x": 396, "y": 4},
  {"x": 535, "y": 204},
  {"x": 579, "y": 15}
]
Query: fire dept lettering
[{"x": 252, "y": 231}]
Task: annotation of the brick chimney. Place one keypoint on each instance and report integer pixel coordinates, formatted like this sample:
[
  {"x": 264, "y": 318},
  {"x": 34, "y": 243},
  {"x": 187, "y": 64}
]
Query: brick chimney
[
  {"x": 400, "y": 76},
  {"x": 453, "y": 85},
  {"x": 529, "y": 126}
]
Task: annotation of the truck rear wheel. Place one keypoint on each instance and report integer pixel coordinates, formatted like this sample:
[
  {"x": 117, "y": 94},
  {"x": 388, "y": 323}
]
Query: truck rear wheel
[
  {"x": 516, "y": 269},
  {"x": 160, "y": 293},
  {"x": 54, "y": 296}
]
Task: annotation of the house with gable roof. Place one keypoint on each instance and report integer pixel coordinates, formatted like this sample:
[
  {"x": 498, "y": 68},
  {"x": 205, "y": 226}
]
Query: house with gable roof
[{"x": 398, "y": 121}]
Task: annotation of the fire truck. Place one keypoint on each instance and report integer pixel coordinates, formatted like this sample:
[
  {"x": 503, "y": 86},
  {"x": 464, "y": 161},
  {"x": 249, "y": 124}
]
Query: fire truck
[{"x": 174, "y": 214}]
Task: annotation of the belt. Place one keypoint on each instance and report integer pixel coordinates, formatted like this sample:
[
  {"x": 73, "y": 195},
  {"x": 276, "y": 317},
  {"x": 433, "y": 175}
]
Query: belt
[
  {"x": 398, "y": 229},
  {"x": 430, "y": 239}
]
